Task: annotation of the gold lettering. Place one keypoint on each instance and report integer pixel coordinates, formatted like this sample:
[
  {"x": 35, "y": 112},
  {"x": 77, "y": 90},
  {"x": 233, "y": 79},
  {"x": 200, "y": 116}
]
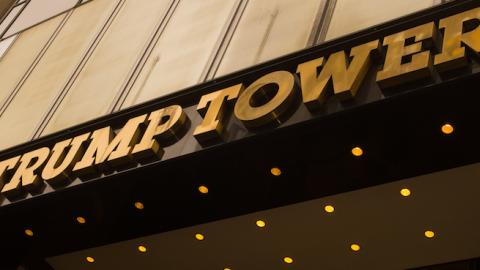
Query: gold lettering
[
  {"x": 164, "y": 125},
  {"x": 57, "y": 170},
  {"x": 345, "y": 81},
  {"x": 266, "y": 100},
  {"x": 7, "y": 165},
  {"x": 453, "y": 53},
  {"x": 215, "y": 104},
  {"x": 26, "y": 174},
  {"x": 105, "y": 146},
  {"x": 395, "y": 71}
]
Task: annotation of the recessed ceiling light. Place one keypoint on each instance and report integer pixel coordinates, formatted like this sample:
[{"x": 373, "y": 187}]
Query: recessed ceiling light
[
  {"x": 355, "y": 247},
  {"x": 226, "y": 268},
  {"x": 81, "y": 220},
  {"x": 447, "y": 129},
  {"x": 288, "y": 260},
  {"x": 405, "y": 192},
  {"x": 142, "y": 249},
  {"x": 357, "y": 151},
  {"x": 139, "y": 205},
  {"x": 260, "y": 223},
  {"x": 329, "y": 208},
  {"x": 203, "y": 189},
  {"x": 90, "y": 259},
  {"x": 275, "y": 171},
  {"x": 429, "y": 234},
  {"x": 29, "y": 232},
  {"x": 199, "y": 237}
]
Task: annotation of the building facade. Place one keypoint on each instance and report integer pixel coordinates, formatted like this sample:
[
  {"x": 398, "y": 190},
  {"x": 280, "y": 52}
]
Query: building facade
[{"x": 239, "y": 134}]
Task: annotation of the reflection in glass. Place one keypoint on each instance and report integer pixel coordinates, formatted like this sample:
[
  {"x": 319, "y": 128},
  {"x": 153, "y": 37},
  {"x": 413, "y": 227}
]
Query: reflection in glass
[
  {"x": 349, "y": 16},
  {"x": 4, "y": 7},
  {"x": 37, "y": 11},
  {"x": 5, "y": 45},
  {"x": 269, "y": 29},
  {"x": 110, "y": 66},
  {"x": 10, "y": 17},
  {"x": 182, "y": 53},
  {"x": 53, "y": 71}
]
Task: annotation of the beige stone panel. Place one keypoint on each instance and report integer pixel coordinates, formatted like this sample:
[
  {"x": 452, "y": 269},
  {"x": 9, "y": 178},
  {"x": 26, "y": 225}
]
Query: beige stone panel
[
  {"x": 53, "y": 71},
  {"x": 183, "y": 51},
  {"x": 22, "y": 53},
  {"x": 354, "y": 15},
  {"x": 110, "y": 66},
  {"x": 269, "y": 29}
]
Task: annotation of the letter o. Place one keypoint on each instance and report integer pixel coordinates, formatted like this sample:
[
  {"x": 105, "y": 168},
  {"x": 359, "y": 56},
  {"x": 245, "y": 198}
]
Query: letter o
[{"x": 253, "y": 114}]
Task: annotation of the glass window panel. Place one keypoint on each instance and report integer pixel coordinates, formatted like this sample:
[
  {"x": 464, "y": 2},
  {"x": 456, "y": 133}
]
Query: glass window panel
[
  {"x": 5, "y": 6},
  {"x": 53, "y": 71},
  {"x": 349, "y": 16},
  {"x": 5, "y": 45},
  {"x": 183, "y": 51},
  {"x": 22, "y": 54},
  {"x": 110, "y": 66},
  {"x": 269, "y": 29},
  {"x": 38, "y": 11},
  {"x": 10, "y": 17}
]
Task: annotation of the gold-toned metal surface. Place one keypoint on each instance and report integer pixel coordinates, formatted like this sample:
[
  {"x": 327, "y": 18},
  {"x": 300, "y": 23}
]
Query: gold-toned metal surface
[
  {"x": 58, "y": 168},
  {"x": 165, "y": 125},
  {"x": 395, "y": 71},
  {"x": 26, "y": 175},
  {"x": 345, "y": 81},
  {"x": 455, "y": 40},
  {"x": 6, "y": 165},
  {"x": 215, "y": 105},
  {"x": 105, "y": 145},
  {"x": 277, "y": 89}
]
